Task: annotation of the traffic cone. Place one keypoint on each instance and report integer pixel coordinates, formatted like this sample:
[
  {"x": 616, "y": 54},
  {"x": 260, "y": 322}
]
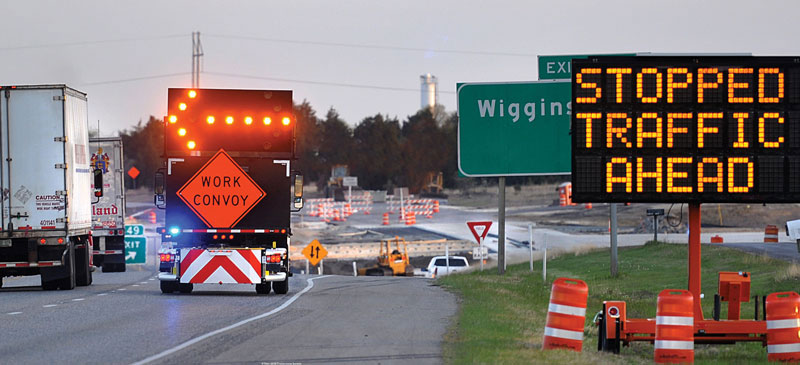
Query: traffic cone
[{"x": 385, "y": 219}]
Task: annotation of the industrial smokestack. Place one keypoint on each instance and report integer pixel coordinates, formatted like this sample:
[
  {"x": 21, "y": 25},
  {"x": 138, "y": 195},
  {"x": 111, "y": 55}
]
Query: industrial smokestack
[{"x": 429, "y": 86}]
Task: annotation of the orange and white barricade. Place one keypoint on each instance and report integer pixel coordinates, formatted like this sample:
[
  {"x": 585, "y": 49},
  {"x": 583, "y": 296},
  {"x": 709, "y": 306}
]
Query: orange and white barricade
[
  {"x": 771, "y": 234},
  {"x": 674, "y": 327},
  {"x": 566, "y": 315},
  {"x": 783, "y": 326}
]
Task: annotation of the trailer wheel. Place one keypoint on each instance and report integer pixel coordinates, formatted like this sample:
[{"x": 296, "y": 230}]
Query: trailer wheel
[
  {"x": 168, "y": 287},
  {"x": 185, "y": 288},
  {"x": 281, "y": 287},
  {"x": 263, "y": 288},
  {"x": 83, "y": 271}
]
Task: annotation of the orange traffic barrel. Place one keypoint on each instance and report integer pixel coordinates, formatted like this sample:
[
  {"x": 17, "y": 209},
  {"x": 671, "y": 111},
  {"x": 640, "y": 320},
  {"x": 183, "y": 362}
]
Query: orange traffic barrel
[
  {"x": 566, "y": 315},
  {"x": 436, "y": 206},
  {"x": 716, "y": 239},
  {"x": 783, "y": 326},
  {"x": 674, "y": 326},
  {"x": 771, "y": 233},
  {"x": 152, "y": 217},
  {"x": 588, "y": 206},
  {"x": 386, "y": 219}
]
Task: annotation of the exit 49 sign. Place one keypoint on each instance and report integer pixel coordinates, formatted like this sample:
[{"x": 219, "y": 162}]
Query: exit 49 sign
[{"x": 686, "y": 129}]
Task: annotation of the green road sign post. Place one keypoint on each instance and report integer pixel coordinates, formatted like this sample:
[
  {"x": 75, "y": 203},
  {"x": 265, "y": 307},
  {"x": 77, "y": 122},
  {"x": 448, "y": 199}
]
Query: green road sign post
[
  {"x": 135, "y": 250},
  {"x": 135, "y": 244},
  {"x": 514, "y": 129}
]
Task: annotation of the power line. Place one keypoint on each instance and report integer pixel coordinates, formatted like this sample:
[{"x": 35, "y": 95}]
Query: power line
[
  {"x": 83, "y": 43},
  {"x": 339, "y": 84},
  {"x": 135, "y": 79},
  {"x": 372, "y": 46}
]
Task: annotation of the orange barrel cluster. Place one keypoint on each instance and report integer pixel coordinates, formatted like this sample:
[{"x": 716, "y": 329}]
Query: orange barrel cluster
[
  {"x": 674, "y": 327},
  {"x": 783, "y": 327},
  {"x": 771, "y": 233},
  {"x": 566, "y": 315}
]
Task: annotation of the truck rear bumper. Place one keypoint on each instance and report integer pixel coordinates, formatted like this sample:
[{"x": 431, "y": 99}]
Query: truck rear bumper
[{"x": 278, "y": 276}]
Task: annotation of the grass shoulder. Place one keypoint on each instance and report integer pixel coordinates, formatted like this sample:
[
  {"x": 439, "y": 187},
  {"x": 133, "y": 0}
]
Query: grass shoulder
[{"x": 501, "y": 318}]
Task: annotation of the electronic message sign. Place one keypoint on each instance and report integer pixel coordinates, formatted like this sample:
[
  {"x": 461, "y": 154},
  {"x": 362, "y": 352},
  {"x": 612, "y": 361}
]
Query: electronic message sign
[{"x": 686, "y": 129}]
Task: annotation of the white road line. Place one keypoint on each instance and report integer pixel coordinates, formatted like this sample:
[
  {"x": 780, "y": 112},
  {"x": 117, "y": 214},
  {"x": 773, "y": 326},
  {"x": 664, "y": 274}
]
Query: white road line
[
  {"x": 13, "y": 313},
  {"x": 135, "y": 285},
  {"x": 151, "y": 279},
  {"x": 144, "y": 282},
  {"x": 224, "y": 329},
  {"x": 122, "y": 289},
  {"x": 49, "y": 305},
  {"x": 101, "y": 294},
  {"x": 78, "y": 299}
]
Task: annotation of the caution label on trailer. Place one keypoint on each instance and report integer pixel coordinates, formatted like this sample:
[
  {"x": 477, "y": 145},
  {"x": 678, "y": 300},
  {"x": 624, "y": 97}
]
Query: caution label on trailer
[{"x": 221, "y": 193}]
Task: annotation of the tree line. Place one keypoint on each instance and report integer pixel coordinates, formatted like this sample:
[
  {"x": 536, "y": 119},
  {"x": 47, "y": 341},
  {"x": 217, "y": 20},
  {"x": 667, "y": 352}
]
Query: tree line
[{"x": 383, "y": 152}]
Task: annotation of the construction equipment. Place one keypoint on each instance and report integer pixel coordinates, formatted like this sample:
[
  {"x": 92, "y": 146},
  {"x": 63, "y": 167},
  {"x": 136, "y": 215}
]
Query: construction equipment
[
  {"x": 434, "y": 185},
  {"x": 335, "y": 186},
  {"x": 390, "y": 263}
]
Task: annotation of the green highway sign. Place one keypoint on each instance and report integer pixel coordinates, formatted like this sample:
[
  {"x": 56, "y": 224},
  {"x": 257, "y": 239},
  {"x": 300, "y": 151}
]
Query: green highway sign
[
  {"x": 134, "y": 230},
  {"x": 135, "y": 250},
  {"x": 514, "y": 129},
  {"x": 560, "y": 66}
]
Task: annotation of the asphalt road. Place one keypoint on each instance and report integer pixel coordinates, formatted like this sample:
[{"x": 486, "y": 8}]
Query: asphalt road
[{"x": 124, "y": 318}]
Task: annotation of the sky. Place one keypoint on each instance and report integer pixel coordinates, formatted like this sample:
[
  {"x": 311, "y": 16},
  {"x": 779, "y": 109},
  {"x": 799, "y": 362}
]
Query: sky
[{"x": 360, "y": 57}]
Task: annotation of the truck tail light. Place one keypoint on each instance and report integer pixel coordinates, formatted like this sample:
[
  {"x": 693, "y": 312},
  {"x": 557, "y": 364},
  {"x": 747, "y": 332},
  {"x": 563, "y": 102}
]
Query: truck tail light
[
  {"x": 274, "y": 259},
  {"x": 165, "y": 257},
  {"x": 60, "y": 240},
  {"x": 42, "y": 241}
]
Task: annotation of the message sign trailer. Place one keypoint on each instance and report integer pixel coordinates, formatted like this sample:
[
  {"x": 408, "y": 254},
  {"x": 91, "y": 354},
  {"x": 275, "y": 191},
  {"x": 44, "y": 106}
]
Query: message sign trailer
[{"x": 686, "y": 129}]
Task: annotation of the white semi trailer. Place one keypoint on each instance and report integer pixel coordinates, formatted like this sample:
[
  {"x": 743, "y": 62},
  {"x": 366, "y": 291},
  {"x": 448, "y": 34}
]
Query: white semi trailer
[
  {"x": 108, "y": 211},
  {"x": 46, "y": 179}
]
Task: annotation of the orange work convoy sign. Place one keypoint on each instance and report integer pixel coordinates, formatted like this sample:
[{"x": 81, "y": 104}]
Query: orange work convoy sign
[{"x": 221, "y": 193}]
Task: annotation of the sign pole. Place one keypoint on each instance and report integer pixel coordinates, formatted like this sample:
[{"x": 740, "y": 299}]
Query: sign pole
[
  {"x": 480, "y": 248},
  {"x": 613, "y": 240},
  {"x": 544, "y": 257},
  {"x": 447, "y": 256},
  {"x": 530, "y": 243},
  {"x": 308, "y": 268},
  {"x": 501, "y": 221}
]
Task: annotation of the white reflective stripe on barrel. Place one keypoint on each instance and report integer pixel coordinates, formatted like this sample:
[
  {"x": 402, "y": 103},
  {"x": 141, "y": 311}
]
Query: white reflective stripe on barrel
[
  {"x": 782, "y": 349},
  {"x": 675, "y": 321},
  {"x": 566, "y": 309},
  {"x": 557, "y": 332},
  {"x": 674, "y": 345},
  {"x": 783, "y": 323}
]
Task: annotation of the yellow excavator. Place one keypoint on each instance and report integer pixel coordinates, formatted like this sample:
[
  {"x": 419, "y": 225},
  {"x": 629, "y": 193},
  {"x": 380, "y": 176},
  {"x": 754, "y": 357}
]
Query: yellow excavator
[{"x": 391, "y": 262}]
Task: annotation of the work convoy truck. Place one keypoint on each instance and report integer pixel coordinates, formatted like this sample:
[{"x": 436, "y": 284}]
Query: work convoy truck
[
  {"x": 228, "y": 189},
  {"x": 46, "y": 178},
  {"x": 108, "y": 213}
]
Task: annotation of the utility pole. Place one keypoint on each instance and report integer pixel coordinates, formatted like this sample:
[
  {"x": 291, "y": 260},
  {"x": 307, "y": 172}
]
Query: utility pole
[{"x": 197, "y": 54}]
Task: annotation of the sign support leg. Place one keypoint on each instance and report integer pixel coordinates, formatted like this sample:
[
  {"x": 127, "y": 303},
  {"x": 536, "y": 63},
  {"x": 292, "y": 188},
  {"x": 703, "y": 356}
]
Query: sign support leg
[
  {"x": 613, "y": 240},
  {"x": 501, "y": 221},
  {"x": 694, "y": 258},
  {"x": 530, "y": 243}
]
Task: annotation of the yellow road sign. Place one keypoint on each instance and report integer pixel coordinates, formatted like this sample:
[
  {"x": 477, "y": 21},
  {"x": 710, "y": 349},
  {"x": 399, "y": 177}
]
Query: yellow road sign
[{"x": 314, "y": 252}]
